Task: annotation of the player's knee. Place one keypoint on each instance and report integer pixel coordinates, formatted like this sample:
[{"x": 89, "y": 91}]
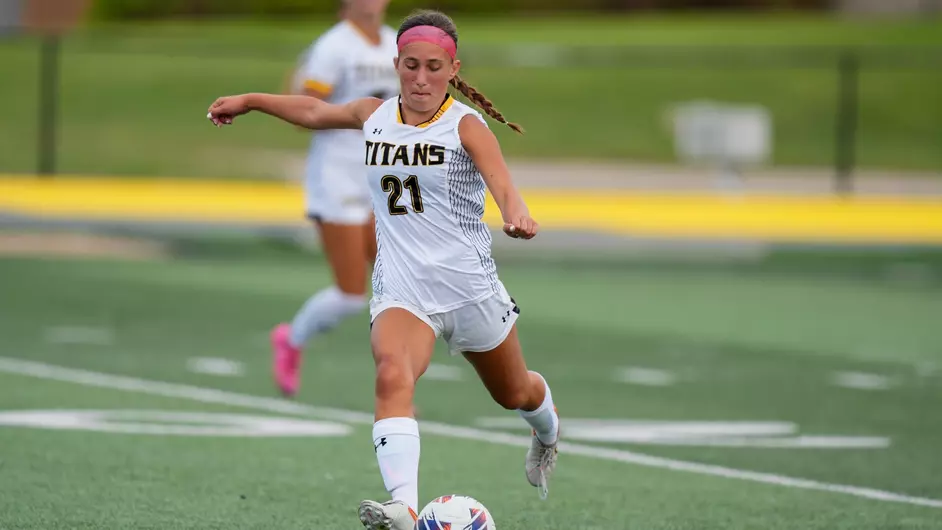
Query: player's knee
[
  {"x": 352, "y": 280},
  {"x": 513, "y": 399},
  {"x": 392, "y": 376}
]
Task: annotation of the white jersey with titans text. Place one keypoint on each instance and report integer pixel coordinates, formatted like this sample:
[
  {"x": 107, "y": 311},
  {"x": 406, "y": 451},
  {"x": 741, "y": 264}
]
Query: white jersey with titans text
[{"x": 433, "y": 249}]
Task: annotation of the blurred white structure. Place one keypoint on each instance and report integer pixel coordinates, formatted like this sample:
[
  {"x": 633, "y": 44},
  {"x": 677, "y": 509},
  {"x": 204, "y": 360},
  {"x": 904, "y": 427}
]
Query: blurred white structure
[
  {"x": 888, "y": 7},
  {"x": 727, "y": 137},
  {"x": 10, "y": 11}
]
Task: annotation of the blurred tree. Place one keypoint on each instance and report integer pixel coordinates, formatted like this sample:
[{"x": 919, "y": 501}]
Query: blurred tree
[
  {"x": 53, "y": 16},
  {"x": 123, "y": 9}
]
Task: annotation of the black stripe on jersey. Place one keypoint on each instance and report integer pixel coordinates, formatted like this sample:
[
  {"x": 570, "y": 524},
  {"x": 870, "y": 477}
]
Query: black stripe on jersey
[{"x": 466, "y": 194}]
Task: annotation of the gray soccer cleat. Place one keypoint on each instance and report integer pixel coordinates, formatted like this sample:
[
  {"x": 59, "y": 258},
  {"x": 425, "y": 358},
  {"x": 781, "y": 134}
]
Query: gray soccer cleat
[
  {"x": 391, "y": 515},
  {"x": 541, "y": 461}
]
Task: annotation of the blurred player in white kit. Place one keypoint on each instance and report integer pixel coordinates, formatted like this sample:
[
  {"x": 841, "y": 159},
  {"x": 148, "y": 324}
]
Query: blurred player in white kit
[{"x": 352, "y": 60}]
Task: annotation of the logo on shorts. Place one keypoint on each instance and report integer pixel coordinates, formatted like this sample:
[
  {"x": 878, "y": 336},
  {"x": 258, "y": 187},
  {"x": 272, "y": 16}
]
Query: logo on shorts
[{"x": 515, "y": 309}]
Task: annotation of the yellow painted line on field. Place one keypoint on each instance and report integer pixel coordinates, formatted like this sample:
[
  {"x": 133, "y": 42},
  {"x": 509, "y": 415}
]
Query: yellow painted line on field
[
  {"x": 768, "y": 217},
  {"x": 153, "y": 200}
]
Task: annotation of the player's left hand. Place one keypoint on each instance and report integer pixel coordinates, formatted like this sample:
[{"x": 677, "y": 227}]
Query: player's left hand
[{"x": 522, "y": 227}]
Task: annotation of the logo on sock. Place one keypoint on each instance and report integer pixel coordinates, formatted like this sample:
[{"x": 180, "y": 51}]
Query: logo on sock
[{"x": 382, "y": 442}]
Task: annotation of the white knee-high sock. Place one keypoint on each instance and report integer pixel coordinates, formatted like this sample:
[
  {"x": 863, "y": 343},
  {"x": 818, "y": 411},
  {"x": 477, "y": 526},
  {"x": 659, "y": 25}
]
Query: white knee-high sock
[
  {"x": 544, "y": 419},
  {"x": 396, "y": 441},
  {"x": 322, "y": 312}
]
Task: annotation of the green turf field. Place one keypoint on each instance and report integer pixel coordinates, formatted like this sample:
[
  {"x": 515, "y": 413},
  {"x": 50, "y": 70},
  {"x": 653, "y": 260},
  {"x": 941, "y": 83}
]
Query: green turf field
[
  {"x": 761, "y": 347},
  {"x": 133, "y": 97}
]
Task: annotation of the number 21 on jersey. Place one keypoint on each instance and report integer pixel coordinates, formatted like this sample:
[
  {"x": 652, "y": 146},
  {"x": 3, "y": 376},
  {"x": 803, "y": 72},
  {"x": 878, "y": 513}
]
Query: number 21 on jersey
[{"x": 394, "y": 186}]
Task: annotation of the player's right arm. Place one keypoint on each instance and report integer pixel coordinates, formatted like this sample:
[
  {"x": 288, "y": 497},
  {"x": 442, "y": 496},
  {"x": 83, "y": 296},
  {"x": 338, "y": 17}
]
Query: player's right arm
[
  {"x": 307, "y": 87},
  {"x": 304, "y": 111}
]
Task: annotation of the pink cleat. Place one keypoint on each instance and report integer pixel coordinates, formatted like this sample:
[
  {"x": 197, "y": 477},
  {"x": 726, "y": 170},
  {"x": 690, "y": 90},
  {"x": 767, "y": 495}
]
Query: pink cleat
[{"x": 286, "y": 360}]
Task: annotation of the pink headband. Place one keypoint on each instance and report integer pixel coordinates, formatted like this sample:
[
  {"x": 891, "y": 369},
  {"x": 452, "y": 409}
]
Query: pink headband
[{"x": 429, "y": 34}]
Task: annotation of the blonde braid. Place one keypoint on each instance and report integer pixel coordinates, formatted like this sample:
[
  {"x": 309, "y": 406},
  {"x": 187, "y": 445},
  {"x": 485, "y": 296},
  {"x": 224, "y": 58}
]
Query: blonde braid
[{"x": 482, "y": 102}]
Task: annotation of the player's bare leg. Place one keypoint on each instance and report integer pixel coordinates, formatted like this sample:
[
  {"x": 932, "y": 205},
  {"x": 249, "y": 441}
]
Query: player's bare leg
[
  {"x": 369, "y": 239},
  {"x": 402, "y": 349},
  {"x": 504, "y": 373}
]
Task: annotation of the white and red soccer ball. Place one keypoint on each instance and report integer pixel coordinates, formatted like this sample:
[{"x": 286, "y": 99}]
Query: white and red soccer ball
[{"x": 455, "y": 512}]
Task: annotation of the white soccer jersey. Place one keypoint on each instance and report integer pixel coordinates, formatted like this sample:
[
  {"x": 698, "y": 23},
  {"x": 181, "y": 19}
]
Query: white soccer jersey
[
  {"x": 344, "y": 64},
  {"x": 433, "y": 249}
]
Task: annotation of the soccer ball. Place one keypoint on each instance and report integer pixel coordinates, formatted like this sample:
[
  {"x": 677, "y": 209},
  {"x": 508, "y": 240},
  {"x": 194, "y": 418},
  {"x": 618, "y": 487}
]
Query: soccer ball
[{"x": 455, "y": 512}]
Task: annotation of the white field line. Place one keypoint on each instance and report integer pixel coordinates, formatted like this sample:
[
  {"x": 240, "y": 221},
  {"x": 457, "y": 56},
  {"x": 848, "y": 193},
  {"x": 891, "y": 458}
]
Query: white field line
[
  {"x": 79, "y": 335},
  {"x": 207, "y": 395},
  {"x": 861, "y": 381},
  {"x": 215, "y": 366},
  {"x": 443, "y": 372},
  {"x": 645, "y": 376},
  {"x": 768, "y": 434}
]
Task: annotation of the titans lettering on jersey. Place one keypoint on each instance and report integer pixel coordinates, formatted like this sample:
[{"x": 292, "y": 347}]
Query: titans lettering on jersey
[{"x": 386, "y": 154}]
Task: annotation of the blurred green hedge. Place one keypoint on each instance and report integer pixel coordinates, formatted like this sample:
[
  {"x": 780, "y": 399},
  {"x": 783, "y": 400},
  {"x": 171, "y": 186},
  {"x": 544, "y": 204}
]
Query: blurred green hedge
[{"x": 144, "y": 9}]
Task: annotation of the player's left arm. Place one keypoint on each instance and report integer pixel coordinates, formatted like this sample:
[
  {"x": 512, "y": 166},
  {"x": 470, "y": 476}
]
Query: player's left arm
[{"x": 485, "y": 152}]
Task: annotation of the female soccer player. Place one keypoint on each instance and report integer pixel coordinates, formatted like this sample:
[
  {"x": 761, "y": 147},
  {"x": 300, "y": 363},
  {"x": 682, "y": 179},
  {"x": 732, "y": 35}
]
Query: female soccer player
[
  {"x": 352, "y": 60},
  {"x": 429, "y": 159}
]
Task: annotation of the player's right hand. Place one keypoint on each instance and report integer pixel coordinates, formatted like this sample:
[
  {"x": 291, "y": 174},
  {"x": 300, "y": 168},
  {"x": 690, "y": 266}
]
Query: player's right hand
[{"x": 225, "y": 109}]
